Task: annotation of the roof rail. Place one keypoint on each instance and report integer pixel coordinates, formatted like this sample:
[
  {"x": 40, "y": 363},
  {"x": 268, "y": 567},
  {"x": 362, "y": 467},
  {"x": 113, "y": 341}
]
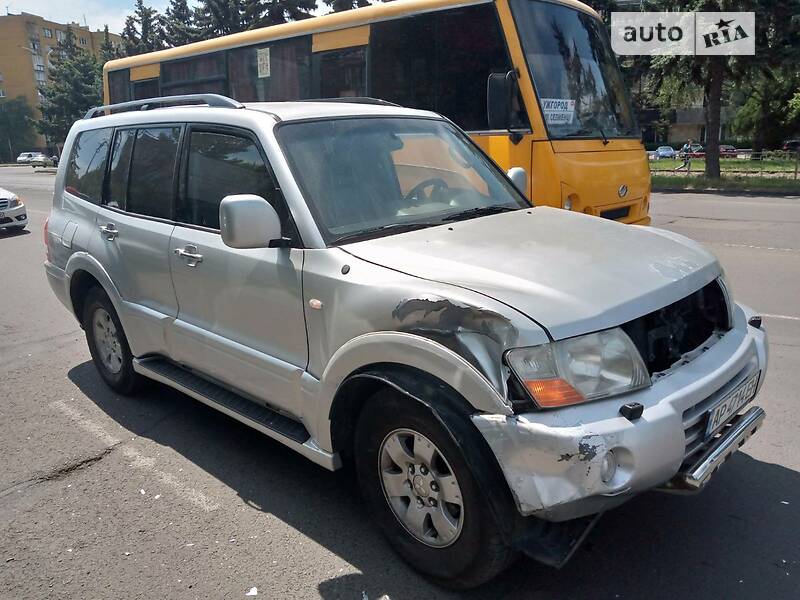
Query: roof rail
[
  {"x": 213, "y": 100},
  {"x": 353, "y": 100}
]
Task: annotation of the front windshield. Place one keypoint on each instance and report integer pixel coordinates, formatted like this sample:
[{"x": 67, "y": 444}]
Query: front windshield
[
  {"x": 577, "y": 79},
  {"x": 366, "y": 177}
]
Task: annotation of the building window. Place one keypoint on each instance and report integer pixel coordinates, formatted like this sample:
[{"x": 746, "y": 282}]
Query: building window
[
  {"x": 83, "y": 41},
  {"x": 2, "y": 93},
  {"x": 59, "y": 35},
  {"x": 48, "y": 33}
]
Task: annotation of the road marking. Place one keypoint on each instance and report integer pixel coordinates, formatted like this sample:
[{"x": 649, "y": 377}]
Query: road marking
[
  {"x": 137, "y": 459},
  {"x": 786, "y": 317},
  {"x": 762, "y": 247}
]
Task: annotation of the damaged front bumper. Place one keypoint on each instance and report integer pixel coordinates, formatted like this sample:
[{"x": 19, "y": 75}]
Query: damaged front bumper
[{"x": 558, "y": 463}]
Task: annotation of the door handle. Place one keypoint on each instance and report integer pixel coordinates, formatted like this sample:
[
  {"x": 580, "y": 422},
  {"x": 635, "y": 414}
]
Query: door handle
[
  {"x": 190, "y": 254},
  {"x": 110, "y": 231}
]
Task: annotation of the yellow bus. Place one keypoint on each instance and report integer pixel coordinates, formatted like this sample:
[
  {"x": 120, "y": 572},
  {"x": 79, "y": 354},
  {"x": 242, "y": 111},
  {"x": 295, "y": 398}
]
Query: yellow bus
[{"x": 534, "y": 82}]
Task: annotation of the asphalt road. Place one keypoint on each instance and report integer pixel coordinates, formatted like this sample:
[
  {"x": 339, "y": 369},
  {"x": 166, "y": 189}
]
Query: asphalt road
[{"x": 105, "y": 496}]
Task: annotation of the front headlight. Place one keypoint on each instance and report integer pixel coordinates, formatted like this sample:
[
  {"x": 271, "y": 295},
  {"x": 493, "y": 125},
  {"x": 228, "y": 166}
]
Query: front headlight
[
  {"x": 14, "y": 202},
  {"x": 579, "y": 369}
]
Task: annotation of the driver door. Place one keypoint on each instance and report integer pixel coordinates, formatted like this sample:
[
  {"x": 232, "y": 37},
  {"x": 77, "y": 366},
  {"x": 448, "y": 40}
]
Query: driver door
[{"x": 240, "y": 311}]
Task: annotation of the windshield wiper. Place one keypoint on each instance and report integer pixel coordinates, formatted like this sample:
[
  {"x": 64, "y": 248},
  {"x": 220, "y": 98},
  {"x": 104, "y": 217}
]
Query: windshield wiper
[
  {"x": 390, "y": 228},
  {"x": 479, "y": 211},
  {"x": 583, "y": 132}
]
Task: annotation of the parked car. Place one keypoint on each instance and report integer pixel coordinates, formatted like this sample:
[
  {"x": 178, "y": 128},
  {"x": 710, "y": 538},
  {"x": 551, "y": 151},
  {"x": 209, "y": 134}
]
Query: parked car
[
  {"x": 665, "y": 152},
  {"x": 361, "y": 283},
  {"x": 26, "y": 157},
  {"x": 727, "y": 151},
  {"x": 791, "y": 146},
  {"x": 43, "y": 160},
  {"x": 13, "y": 215}
]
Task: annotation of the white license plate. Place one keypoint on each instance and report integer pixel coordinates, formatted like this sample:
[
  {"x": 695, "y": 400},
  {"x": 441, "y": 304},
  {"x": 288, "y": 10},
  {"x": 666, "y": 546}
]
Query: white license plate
[{"x": 732, "y": 403}]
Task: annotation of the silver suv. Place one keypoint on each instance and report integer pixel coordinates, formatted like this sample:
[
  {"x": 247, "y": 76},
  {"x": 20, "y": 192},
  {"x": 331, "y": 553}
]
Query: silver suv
[{"x": 361, "y": 283}]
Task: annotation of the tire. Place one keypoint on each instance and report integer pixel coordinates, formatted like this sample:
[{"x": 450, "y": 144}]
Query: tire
[
  {"x": 110, "y": 351},
  {"x": 477, "y": 553}
]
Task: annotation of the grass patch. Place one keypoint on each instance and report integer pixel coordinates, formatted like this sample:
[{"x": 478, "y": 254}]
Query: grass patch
[
  {"x": 730, "y": 165},
  {"x": 773, "y": 185}
]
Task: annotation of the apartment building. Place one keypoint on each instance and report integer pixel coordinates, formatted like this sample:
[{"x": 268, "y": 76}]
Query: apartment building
[{"x": 26, "y": 45}]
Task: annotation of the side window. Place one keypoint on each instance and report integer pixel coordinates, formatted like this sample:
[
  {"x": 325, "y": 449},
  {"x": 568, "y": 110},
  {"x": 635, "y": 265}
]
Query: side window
[
  {"x": 440, "y": 61},
  {"x": 150, "y": 189},
  {"x": 147, "y": 88},
  {"x": 119, "y": 86},
  {"x": 87, "y": 165},
  {"x": 221, "y": 164},
  {"x": 201, "y": 74},
  {"x": 120, "y": 167},
  {"x": 342, "y": 73},
  {"x": 275, "y": 72}
]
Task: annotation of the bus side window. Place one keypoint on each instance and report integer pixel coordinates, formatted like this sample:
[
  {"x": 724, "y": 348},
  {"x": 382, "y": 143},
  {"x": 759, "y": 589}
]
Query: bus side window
[
  {"x": 271, "y": 72},
  {"x": 119, "y": 86},
  {"x": 440, "y": 61},
  {"x": 341, "y": 73}
]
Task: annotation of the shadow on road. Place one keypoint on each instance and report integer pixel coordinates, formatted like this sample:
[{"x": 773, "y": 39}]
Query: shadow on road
[
  {"x": 8, "y": 233},
  {"x": 738, "y": 539}
]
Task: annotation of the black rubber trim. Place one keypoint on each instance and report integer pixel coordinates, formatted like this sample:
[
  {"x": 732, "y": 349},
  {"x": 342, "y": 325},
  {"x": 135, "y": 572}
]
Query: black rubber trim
[{"x": 262, "y": 415}]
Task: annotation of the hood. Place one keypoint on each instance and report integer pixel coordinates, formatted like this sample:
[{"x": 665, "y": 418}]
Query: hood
[{"x": 569, "y": 272}]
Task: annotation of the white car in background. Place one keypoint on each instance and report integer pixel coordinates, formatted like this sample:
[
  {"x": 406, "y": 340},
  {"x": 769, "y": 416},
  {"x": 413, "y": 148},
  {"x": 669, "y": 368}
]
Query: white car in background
[
  {"x": 25, "y": 157},
  {"x": 13, "y": 216}
]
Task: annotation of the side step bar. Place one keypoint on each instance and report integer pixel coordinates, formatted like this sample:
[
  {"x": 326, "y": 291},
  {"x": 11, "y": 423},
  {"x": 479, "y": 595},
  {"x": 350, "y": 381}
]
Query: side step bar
[{"x": 269, "y": 422}]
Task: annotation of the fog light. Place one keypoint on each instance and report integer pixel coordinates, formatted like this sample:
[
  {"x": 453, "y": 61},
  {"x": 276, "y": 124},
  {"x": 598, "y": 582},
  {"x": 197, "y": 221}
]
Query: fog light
[{"x": 609, "y": 467}]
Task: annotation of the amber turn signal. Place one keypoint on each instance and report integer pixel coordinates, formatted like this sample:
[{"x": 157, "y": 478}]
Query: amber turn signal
[{"x": 551, "y": 393}]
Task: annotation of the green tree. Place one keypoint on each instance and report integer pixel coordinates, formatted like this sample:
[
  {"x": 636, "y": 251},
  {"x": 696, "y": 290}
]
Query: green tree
[
  {"x": 73, "y": 86},
  {"x": 180, "y": 27},
  {"x": 143, "y": 31},
  {"x": 16, "y": 127},
  {"x": 107, "y": 49},
  {"x": 769, "y": 80},
  {"x": 222, "y": 17},
  {"x": 340, "y": 5}
]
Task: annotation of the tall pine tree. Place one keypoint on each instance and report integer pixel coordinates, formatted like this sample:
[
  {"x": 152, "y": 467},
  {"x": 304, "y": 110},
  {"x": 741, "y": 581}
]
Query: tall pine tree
[
  {"x": 179, "y": 24},
  {"x": 73, "y": 87},
  {"x": 144, "y": 30},
  {"x": 341, "y": 5},
  {"x": 107, "y": 49}
]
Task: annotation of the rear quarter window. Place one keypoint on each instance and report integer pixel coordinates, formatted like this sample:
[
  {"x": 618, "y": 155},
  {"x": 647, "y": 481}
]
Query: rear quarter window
[
  {"x": 87, "y": 165},
  {"x": 152, "y": 172}
]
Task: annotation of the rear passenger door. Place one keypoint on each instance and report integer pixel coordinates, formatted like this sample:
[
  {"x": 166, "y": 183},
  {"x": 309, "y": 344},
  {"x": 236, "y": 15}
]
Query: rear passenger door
[
  {"x": 134, "y": 225},
  {"x": 241, "y": 317}
]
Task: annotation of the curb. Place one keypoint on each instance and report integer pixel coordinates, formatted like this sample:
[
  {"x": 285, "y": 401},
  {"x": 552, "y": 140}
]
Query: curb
[{"x": 718, "y": 192}]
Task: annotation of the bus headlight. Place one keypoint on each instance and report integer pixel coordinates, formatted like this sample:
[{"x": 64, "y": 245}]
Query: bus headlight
[{"x": 579, "y": 369}]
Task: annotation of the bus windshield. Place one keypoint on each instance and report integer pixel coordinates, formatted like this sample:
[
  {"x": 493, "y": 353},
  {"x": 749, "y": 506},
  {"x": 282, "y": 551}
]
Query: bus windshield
[{"x": 577, "y": 79}]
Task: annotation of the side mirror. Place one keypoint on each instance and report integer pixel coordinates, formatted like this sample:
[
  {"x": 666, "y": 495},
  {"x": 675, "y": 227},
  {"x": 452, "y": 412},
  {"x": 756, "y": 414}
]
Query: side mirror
[
  {"x": 519, "y": 178},
  {"x": 500, "y": 89},
  {"x": 248, "y": 221}
]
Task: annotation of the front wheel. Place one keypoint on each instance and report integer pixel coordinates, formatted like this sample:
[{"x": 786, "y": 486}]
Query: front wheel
[
  {"x": 108, "y": 345},
  {"x": 423, "y": 495}
]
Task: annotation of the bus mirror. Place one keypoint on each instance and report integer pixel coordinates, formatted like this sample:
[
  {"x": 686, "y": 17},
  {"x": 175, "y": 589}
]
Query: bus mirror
[{"x": 499, "y": 91}]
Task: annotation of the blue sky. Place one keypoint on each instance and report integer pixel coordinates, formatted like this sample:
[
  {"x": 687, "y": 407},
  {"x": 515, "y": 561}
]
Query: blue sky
[{"x": 96, "y": 12}]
